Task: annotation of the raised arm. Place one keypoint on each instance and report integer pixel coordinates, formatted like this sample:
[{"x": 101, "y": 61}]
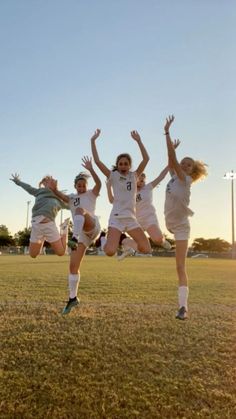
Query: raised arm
[
  {"x": 104, "y": 169},
  {"x": 175, "y": 143},
  {"x": 87, "y": 164},
  {"x": 53, "y": 186},
  {"x": 135, "y": 135},
  {"x": 109, "y": 192},
  {"x": 173, "y": 162},
  {"x": 28, "y": 188},
  {"x": 160, "y": 177}
]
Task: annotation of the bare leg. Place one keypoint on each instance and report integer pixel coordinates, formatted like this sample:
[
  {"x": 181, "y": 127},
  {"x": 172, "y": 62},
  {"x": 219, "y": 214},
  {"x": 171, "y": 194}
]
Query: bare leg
[
  {"x": 76, "y": 258},
  {"x": 155, "y": 234},
  {"x": 141, "y": 239},
  {"x": 35, "y": 249},
  {"x": 157, "y": 237},
  {"x": 180, "y": 255},
  {"x": 113, "y": 238},
  {"x": 59, "y": 246}
]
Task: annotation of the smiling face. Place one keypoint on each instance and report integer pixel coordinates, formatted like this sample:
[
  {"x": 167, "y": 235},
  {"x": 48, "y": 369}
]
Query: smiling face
[
  {"x": 141, "y": 181},
  {"x": 123, "y": 165},
  {"x": 81, "y": 186},
  {"x": 187, "y": 165}
]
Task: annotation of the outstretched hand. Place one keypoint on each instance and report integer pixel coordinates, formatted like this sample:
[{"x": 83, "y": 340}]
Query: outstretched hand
[
  {"x": 176, "y": 143},
  {"x": 168, "y": 123},
  {"x": 15, "y": 177},
  {"x": 135, "y": 135},
  {"x": 96, "y": 134},
  {"x": 87, "y": 163}
]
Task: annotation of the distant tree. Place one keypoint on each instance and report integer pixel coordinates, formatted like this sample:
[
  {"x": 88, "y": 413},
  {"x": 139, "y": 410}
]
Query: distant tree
[
  {"x": 210, "y": 245},
  {"x": 22, "y": 237},
  {"x": 6, "y": 238}
]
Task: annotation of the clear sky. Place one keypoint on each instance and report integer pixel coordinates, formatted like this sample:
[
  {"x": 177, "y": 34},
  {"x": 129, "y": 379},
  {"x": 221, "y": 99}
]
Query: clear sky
[{"x": 69, "y": 67}]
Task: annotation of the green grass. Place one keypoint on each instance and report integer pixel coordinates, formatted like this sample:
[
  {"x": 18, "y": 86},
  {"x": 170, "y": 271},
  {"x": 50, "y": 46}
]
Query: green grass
[{"x": 121, "y": 353}]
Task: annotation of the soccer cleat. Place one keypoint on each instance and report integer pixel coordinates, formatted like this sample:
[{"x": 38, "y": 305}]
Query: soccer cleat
[
  {"x": 181, "y": 314},
  {"x": 128, "y": 252},
  {"x": 166, "y": 245},
  {"x": 73, "y": 243},
  {"x": 73, "y": 302}
]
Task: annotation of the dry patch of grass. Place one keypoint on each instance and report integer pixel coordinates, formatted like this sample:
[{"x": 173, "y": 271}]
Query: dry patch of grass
[{"x": 121, "y": 353}]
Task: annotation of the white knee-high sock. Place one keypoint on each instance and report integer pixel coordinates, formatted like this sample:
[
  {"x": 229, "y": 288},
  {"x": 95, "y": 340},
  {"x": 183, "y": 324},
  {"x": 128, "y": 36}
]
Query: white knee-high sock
[
  {"x": 183, "y": 292},
  {"x": 78, "y": 225},
  {"x": 73, "y": 284},
  {"x": 103, "y": 242}
]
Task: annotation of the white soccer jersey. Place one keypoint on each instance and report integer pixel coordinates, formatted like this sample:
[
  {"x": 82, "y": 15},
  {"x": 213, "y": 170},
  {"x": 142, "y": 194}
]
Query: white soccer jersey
[
  {"x": 177, "y": 200},
  {"x": 86, "y": 200},
  {"x": 124, "y": 192},
  {"x": 144, "y": 205}
]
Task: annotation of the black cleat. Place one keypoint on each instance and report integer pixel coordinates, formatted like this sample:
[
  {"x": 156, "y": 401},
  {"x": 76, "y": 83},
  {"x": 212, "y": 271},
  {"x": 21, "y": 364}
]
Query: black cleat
[
  {"x": 73, "y": 302},
  {"x": 181, "y": 314},
  {"x": 73, "y": 243}
]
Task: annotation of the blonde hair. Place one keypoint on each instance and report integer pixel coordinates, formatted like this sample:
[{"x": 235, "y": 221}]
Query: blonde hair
[{"x": 199, "y": 170}]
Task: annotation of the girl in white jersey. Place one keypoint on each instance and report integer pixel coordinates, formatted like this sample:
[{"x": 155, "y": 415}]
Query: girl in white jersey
[
  {"x": 145, "y": 212},
  {"x": 177, "y": 211},
  {"x": 124, "y": 185},
  {"x": 46, "y": 207},
  {"x": 86, "y": 225}
]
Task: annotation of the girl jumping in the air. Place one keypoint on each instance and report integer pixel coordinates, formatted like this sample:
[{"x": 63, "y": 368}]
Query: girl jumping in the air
[
  {"x": 177, "y": 211},
  {"x": 124, "y": 185},
  {"x": 86, "y": 225},
  {"x": 44, "y": 212},
  {"x": 145, "y": 212}
]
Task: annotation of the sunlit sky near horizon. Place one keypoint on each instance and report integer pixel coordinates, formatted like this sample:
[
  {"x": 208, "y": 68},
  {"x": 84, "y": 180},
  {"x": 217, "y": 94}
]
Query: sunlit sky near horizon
[{"x": 69, "y": 67}]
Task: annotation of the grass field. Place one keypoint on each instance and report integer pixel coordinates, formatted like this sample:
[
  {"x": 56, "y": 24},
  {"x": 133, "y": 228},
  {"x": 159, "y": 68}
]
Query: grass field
[{"x": 121, "y": 353}]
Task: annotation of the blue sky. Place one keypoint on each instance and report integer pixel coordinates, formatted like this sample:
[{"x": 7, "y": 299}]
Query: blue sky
[{"x": 69, "y": 67}]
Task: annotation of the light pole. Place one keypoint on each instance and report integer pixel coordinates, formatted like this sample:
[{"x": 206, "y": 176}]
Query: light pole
[
  {"x": 27, "y": 214},
  {"x": 63, "y": 191},
  {"x": 231, "y": 176}
]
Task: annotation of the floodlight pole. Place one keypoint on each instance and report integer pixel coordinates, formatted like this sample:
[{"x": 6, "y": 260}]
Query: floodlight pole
[
  {"x": 63, "y": 191},
  {"x": 231, "y": 176},
  {"x": 27, "y": 214},
  {"x": 232, "y": 204}
]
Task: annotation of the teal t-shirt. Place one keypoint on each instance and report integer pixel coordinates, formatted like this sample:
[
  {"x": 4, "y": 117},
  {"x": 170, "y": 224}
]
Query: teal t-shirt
[{"x": 46, "y": 202}]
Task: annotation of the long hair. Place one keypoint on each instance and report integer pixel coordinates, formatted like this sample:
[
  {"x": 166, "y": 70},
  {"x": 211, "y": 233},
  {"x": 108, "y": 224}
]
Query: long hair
[
  {"x": 81, "y": 176},
  {"x": 123, "y": 155},
  {"x": 199, "y": 170},
  {"x": 47, "y": 177}
]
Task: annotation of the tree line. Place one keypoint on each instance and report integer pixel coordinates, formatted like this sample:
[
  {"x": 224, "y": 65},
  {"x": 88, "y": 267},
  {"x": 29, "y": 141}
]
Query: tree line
[{"x": 21, "y": 238}]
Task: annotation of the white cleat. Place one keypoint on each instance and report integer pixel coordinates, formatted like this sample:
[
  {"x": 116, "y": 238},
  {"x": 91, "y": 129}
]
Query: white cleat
[
  {"x": 126, "y": 253},
  {"x": 166, "y": 245}
]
